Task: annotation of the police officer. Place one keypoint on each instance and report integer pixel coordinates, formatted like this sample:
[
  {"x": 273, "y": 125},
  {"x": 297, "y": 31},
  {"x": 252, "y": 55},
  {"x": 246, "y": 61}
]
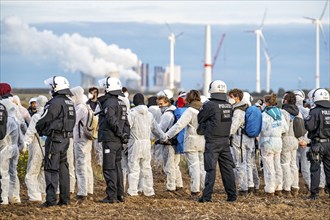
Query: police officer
[
  {"x": 114, "y": 131},
  {"x": 215, "y": 120},
  {"x": 318, "y": 127},
  {"x": 57, "y": 124}
]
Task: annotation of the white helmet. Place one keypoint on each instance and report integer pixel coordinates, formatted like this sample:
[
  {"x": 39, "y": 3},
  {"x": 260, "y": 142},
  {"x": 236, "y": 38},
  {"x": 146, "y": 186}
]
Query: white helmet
[
  {"x": 299, "y": 92},
  {"x": 167, "y": 93},
  {"x": 218, "y": 86},
  {"x": 111, "y": 84},
  {"x": 57, "y": 83},
  {"x": 320, "y": 95},
  {"x": 34, "y": 99}
]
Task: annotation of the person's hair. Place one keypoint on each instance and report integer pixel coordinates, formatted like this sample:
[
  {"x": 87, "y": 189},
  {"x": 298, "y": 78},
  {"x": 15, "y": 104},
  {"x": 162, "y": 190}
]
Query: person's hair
[
  {"x": 236, "y": 93},
  {"x": 193, "y": 95},
  {"x": 290, "y": 97},
  {"x": 93, "y": 89},
  {"x": 270, "y": 99},
  {"x": 124, "y": 89},
  {"x": 165, "y": 98}
]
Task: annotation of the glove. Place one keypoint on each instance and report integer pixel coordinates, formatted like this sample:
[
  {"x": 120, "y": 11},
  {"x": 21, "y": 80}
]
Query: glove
[{"x": 124, "y": 138}]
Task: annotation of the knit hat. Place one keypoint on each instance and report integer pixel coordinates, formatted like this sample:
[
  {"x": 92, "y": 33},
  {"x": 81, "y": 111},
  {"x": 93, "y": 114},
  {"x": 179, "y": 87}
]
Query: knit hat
[
  {"x": 138, "y": 99},
  {"x": 5, "y": 89},
  {"x": 152, "y": 101}
]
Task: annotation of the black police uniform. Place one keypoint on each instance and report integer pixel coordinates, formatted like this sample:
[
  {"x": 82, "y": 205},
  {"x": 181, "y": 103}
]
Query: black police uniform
[
  {"x": 215, "y": 120},
  {"x": 57, "y": 124},
  {"x": 114, "y": 131},
  {"x": 318, "y": 126}
]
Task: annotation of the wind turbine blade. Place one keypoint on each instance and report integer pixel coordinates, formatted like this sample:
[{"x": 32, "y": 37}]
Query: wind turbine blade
[
  {"x": 264, "y": 42},
  {"x": 324, "y": 37},
  {"x": 250, "y": 31},
  {"x": 178, "y": 35},
  {"x": 169, "y": 27},
  {"x": 263, "y": 19},
  {"x": 308, "y": 18},
  {"x": 324, "y": 9}
]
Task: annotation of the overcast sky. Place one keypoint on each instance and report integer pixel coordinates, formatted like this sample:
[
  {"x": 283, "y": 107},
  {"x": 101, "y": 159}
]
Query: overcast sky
[{"x": 200, "y": 12}]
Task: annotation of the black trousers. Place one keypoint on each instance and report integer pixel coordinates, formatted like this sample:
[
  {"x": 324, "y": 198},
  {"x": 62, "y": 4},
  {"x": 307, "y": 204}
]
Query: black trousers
[
  {"x": 112, "y": 171},
  {"x": 57, "y": 169},
  {"x": 217, "y": 152},
  {"x": 315, "y": 169},
  {"x": 0, "y": 189}
]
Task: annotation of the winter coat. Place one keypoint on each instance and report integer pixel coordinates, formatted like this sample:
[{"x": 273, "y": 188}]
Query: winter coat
[
  {"x": 192, "y": 141},
  {"x": 273, "y": 126},
  {"x": 289, "y": 141}
]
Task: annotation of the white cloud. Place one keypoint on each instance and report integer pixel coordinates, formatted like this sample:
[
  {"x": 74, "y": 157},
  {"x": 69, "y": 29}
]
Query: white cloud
[{"x": 201, "y": 12}]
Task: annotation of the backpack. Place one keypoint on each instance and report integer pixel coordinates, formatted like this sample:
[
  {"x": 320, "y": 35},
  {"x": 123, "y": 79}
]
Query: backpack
[
  {"x": 3, "y": 121},
  {"x": 90, "y": 128},
  {"x": 174, "y": 140},
  {"x": 253, "y": 122},
  {"x": 298, "y": 126}
]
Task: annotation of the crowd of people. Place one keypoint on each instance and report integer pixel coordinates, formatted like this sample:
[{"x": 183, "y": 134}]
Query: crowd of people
[{"x": 128, "y": 136}]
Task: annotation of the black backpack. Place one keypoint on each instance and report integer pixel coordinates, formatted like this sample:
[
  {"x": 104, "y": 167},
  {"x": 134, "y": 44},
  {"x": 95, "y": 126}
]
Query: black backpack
[
  {"x": 3, "y": 121},
  {"x": 299, "y": 129}
]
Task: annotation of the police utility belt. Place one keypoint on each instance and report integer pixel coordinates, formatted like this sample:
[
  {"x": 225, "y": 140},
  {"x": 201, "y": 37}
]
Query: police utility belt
[
  {"x": 64, "y": 134},
  {"x": 321, "y": 140}
]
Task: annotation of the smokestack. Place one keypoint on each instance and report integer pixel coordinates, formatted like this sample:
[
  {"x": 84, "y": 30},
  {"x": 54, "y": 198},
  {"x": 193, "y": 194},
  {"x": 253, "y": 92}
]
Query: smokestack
[{"x": 208, "y": 64}]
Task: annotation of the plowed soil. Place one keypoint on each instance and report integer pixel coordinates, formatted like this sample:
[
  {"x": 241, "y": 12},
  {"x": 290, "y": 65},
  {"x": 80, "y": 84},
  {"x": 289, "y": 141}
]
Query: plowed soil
[{"x": 177, "y": 205}]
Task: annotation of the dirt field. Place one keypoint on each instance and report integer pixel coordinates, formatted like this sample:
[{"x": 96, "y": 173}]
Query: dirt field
[{"x": 178, "y": 205}]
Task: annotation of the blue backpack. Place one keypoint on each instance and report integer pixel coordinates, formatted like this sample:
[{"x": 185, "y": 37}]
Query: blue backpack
[{"x": 253, "y": 121}]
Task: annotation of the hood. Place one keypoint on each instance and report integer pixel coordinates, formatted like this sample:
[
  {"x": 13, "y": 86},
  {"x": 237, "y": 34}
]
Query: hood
[
  {"x": 152, "y": 101},
  {"x": 141, "y": 109},
  {"x": 274, "y": 112},
  {"x": 78, "y": 95},
  {"x": 242, "y": 104},
  {"x": 41, "y": 102},
  {"x": 10, "y": 107},
  {"x": 5, "y": 89},
  {"x": 17, "y": 100},
  {"x": 299, "y": 100},
  {"x": 196, "y": 105},
  {"x": 291, "y": 108},
  {"x": 170, "y": 108},
  {"x": 219, "y": 96},
  {"x": 323, "y": 103}
]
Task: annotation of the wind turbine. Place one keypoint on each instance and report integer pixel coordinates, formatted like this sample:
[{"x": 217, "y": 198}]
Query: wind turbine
[
  {"x": 258, "y": 33},
  {"x": 319, "y": 27},
  {"x": 172, "y": 39},
  {"x": 269, "y": 68}
]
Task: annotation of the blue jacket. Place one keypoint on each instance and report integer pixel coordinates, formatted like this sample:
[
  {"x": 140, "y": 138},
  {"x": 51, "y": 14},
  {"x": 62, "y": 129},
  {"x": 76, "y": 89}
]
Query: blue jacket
[{"x": 180, "y": 147}]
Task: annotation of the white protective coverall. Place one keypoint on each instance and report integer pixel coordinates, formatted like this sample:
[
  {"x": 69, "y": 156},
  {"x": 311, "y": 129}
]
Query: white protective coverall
[
  {"x": 156, "y": 153},
  {"x": 271, "y": 147},
  {"x": 171, "y": 159},
  {"x": 81, "y": 145},
  {"x": 142, "y": 123},
  {"x": 35, "y": 177},
  {"x": 23, "y": 111},
  {"x": 288, "y": 155},
  {"x": 194, "y": 147},
  {"x": 9, "y": 154},
  {"x": 242, "y": 150}
]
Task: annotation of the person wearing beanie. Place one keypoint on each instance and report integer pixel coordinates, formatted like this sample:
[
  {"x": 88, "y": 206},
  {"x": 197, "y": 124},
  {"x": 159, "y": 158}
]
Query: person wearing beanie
[{"x": 142, "y": 123}]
